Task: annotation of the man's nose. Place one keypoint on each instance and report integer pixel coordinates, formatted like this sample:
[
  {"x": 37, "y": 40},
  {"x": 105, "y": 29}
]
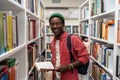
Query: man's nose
[{"x": 55, "y": 25}]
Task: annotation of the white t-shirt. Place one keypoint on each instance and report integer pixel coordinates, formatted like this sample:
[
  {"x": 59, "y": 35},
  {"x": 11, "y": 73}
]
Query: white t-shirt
[{"x": 57, "y": 59}]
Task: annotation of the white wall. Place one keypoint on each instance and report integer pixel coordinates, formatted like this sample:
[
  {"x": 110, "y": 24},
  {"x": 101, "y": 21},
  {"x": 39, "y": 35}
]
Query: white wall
[
  {"x": 67, "y": 13},
  {"x": 64, "y": 3}
]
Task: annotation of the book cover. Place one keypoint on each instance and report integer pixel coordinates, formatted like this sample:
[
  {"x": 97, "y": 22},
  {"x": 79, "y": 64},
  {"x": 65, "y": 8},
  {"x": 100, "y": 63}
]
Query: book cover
[
  {"x": 118, "y": 32},
  {"x": 1, "y": 72},
  {"x": 5, "y": 72},
  {"x": 8, "y": 63},
  {"x": 15, "y": 31},
  {"x": 68, "y": 29},
  {"x": 32, "y": 6},
  {"x": 118, "y": 66},
  {"x": 33, "y": 29},
  {"x": 1, "y": 34},
  {"x": 109, "y": 57},
  {"x": 30, "y": 57},
  {"x": 44, "y": 66},
  {"x": 28, "y": 26},
  {"x": 9, "y": 29},
  {"x": 5, "y": 30}
]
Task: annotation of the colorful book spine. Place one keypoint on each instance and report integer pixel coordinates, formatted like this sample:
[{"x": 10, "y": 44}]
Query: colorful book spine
[
  {"x": 1, "y": 34},
  {"x": 10, "y": 63},
  {"x": 5, "y": 30},
  {"x": 9, "y": 33},
  {"x": 118, "y": 66}
]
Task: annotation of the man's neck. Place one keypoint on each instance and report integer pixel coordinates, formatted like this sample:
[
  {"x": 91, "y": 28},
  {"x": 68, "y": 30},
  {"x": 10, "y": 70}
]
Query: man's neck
[{"x": 58, "y": 36}]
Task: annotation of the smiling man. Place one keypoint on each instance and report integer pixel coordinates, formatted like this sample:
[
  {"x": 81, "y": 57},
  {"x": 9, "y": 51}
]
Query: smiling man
[{"x": 64, "y": 69}]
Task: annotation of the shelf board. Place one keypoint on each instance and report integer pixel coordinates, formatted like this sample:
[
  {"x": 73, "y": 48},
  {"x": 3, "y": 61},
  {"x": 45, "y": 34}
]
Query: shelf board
[
  {"x": 10, "y": 5},
  {"x": 32, "y": 15},
  {"x": 102, "y": 41},
  {"x": 109, "y": 14},
  {"x": 86, "y": 3},
  {"x": 83, "y": 20},
  {"x": 84, "y": 35},
  {"x": 11, "y": 52},
  {"x": 33, "y": 40}
]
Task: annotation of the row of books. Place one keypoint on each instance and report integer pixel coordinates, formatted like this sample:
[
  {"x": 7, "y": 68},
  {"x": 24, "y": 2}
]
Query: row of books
[
  {"x": 103, "y": 29},
  {"x": 100, "y": 6},
  {"x": 84, "y": 13},
  {"x": 32, "y": 5},
  {"x": 99, "y": 74},
  {"x": 72, "y": 29},
  {"x": 8, "y": 69},
  {"x": 75, "y": 29},
  {"x": 103, "y": 55},
  {"x": 32, "y": 28},
  {"x": 8, "y": 31},
  {"x": 84, "y": 29},
  {"x": 32, "y": 54}
]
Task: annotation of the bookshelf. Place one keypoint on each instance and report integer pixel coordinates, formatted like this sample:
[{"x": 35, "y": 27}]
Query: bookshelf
[
  {"x": 20, "y": 27},
  {"x": 99, "y": 21}
]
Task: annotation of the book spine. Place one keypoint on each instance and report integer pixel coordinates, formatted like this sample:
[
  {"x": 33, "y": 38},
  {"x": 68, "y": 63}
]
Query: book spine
[
  {"x": 1, "y": 34},
  {"x": 9, "y": 33}
]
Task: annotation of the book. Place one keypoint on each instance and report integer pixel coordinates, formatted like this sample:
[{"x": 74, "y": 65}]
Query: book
[
  {"x": 15, "y": 31},
  {"x": 68, "y": 29},
  {"x": 109, "y": 59},
  {"x": 5, "y": 71},
  {"x": 1, "y": 34},
  {"x": 10, "y": 63},
  {"x": 118, "y": 32},
  {"x": 118, "y": 66},
  {"x": 5, "y": 30},
  {"x": 34, "y": 29},
  {"x": 9, "y": 29},
  {"x": 9, "y": 32},
  {"x": 44, "y": 66}
]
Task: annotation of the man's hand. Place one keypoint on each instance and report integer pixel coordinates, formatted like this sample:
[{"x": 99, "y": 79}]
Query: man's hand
[{"x": 63, "y": 69}]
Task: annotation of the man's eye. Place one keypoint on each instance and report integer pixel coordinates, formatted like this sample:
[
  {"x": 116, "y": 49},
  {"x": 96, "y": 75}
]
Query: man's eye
[{"x": 51, "y": 24}]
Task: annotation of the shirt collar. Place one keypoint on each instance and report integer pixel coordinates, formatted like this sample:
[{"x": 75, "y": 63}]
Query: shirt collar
[{"x": 63, "y": 35}]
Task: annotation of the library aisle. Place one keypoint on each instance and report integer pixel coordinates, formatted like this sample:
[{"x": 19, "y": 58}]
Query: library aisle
[{"x": 25, "y": 37}]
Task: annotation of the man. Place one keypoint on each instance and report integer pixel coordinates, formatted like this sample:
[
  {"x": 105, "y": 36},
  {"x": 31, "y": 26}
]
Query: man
[{"x": 64, "y": 69}]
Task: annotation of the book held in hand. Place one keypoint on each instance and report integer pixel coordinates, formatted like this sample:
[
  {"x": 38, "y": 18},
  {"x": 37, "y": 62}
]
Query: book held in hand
[{"x": 44, "y": 66}]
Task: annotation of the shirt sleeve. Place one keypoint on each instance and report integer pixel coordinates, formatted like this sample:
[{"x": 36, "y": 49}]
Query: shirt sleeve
[{"x": 80, "y": 49}]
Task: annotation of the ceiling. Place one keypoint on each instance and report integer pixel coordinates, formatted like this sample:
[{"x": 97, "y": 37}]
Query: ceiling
[{"x": 64, "y": 3}]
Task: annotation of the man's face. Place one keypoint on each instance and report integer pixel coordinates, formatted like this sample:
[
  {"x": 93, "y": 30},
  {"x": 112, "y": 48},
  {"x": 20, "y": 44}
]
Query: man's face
[{"x": 56, "y": 26}]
